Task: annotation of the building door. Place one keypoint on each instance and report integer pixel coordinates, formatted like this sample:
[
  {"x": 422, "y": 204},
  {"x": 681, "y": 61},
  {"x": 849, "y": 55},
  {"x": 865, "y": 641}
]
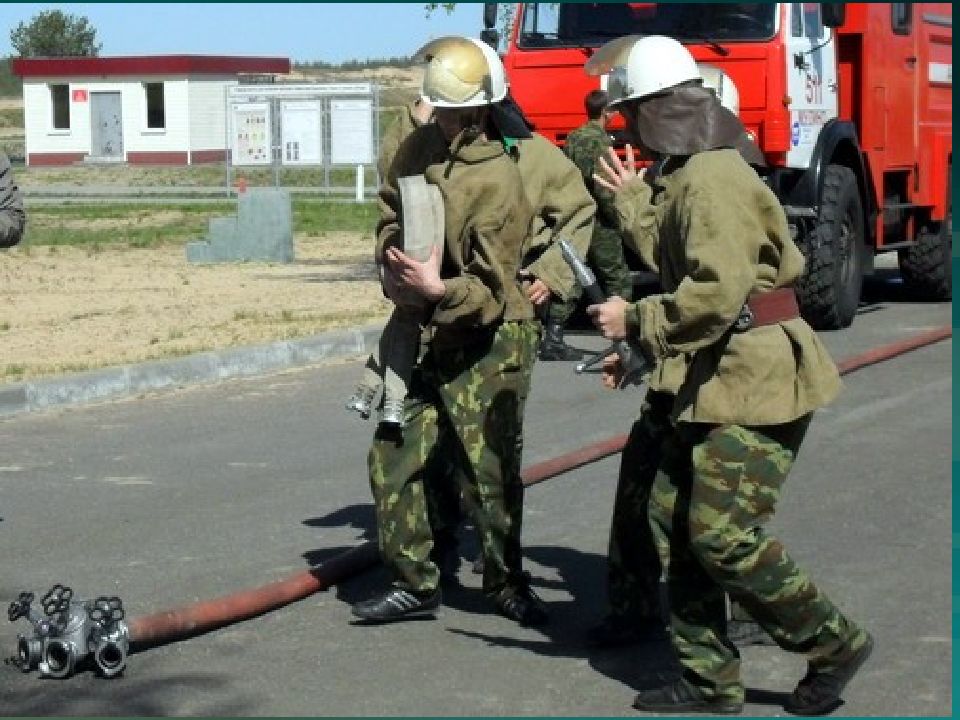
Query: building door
[{"x": 106, "y": 125}]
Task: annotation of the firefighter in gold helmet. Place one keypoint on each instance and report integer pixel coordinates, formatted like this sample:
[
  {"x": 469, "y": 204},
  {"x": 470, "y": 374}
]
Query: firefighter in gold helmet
[
  {"x": 756, "y": 374},
  {"x": 466, "y": 387}
]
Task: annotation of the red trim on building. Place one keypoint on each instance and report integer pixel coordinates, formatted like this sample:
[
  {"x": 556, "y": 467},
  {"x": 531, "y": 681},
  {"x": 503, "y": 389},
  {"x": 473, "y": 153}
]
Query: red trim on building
[
  {"x": 39, "y": 159},
  {"x": 207, "y": 156},
  {"x": 157, "y": 158},
  {"x": 148, "y": 65}
]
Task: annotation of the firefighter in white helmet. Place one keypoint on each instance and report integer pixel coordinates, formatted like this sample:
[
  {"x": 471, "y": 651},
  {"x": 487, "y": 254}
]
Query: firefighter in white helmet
[
  {"x": 465, "y": 389},
  {"x": 754, "y": 375},
  {"x": 633, "y": 567}
]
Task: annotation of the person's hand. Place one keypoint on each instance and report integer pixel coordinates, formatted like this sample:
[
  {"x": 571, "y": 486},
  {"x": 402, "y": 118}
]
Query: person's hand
[
  {"x": 400, "y": 294},
  {"x": 614, "y": 173},
  {"x": 535, "y": 289},
  {"x": 612, "y": 372},
  {"x": 610, "y": 317},
  {"x": 423, "y": 278}
]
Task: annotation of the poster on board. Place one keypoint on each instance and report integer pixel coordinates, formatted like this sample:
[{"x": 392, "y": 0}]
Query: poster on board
[
  {"x": 351, "y": 132},
  {"x": 251, "y": 135},
  {"x": 301, "y": 133}
]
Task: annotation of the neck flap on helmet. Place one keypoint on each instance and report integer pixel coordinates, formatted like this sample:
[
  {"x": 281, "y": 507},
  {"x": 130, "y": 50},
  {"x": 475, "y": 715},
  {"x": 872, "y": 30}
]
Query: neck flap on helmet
[{"x": 687, "y": 120}]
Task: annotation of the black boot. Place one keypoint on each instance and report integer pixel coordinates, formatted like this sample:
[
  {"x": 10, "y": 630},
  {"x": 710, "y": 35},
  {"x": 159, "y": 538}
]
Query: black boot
[
  {"x": 553, "y": 347},
  {"x": 819, "y": 691},
  {"x": 682, "y": 697}
]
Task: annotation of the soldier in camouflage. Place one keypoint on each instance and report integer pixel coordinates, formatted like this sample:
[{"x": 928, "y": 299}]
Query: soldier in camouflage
[
  {"x": 467, "y": 388},
  {"x": 605, "y": 255},
  {"x": 13, "y": 219},
  {"x": 756, "y": 374}
]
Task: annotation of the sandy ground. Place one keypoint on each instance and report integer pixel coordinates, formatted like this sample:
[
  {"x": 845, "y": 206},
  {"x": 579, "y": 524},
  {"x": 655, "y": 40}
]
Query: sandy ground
[{"x": 67, "y": 309}]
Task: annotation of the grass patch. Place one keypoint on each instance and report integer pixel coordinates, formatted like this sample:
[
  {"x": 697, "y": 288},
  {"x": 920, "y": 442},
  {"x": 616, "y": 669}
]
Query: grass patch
[
  {"x": 96, "y": 225},
  {"x": 313, "y": 216},
  {"x": 208, "y": 175}
]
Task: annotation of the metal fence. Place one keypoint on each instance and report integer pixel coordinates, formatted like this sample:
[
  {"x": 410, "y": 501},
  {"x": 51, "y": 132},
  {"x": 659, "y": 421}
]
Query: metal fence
[{"x": 325, "y": 134}]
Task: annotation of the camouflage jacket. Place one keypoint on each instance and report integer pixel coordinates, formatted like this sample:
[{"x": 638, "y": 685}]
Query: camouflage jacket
[
  {"x": 562, "y": 207},
  {"x": 584, "y": 145},
  {"x": 13, "y": 219},
  {"x": 486, "y": 221},
  {"x": 718, "y": 235}
]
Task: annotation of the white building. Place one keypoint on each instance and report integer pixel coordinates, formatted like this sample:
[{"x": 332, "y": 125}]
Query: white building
[{"x": 167, "y": 109}]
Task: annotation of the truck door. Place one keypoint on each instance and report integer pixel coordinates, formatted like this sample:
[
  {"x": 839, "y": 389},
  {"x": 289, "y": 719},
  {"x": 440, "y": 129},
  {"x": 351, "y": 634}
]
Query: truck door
[
  {"x": 901, "y": 80},
  {"x": 811, "y": 79}
]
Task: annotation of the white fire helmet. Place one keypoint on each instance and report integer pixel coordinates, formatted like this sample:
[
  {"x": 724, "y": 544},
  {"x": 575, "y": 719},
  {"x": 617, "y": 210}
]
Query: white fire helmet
[
  {"x": 461, "y": 72},
  {"x": 722, "y": 85},
  {"x": 640, "y": 66}
]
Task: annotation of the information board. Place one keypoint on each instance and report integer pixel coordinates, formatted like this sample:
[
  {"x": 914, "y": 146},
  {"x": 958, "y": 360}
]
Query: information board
[
  {"x": 301, "y": 133},
  {"x": 251, "y": 135},
  {"x": 351, "y": 131}
]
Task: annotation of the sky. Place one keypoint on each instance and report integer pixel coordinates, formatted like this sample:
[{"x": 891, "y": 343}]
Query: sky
[{"x": 303, "y": 32}]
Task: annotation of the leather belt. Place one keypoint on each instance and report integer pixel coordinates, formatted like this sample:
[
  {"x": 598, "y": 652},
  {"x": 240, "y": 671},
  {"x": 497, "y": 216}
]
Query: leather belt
[{"x": 768, "y": 308}]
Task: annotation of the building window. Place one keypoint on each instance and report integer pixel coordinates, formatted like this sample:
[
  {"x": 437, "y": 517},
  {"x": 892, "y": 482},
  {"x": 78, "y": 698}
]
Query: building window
[
  {"x": 156, "y": 110},
  {"x": 902, "y": 17},
  {"x": 60, "y": 105}
]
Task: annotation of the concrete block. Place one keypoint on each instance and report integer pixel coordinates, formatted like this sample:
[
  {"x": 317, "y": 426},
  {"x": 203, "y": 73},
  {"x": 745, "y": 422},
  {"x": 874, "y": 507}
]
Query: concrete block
[{"x": 262, "y": 231}]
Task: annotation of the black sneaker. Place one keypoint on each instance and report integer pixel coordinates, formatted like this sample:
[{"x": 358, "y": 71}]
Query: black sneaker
[
  {"x": 521, "y": 604},
  {"x": 398, "y": 604},
  {"x": 682, "y": 697},
  {"x": 819, "y": 691},
  {"x": 620, "y": 631},
  {"x": 746, "y": 632},
  {"x": 559, "y": 351}
]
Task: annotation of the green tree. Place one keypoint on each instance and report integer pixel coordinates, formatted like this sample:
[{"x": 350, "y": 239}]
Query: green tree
[{"x": 53, "y": 33}]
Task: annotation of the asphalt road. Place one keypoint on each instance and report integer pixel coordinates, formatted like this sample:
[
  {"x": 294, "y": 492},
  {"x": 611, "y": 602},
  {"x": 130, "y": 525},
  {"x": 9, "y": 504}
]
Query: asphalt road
[{"x": 170, "y": 498}]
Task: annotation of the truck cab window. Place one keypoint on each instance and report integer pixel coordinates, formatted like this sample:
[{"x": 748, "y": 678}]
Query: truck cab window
[
  {"x": 541, "y": 24},
  {"x": 593, "y": 24},
  {"x": 812, "y": 24},
  {"x": 902, "y": 17}
]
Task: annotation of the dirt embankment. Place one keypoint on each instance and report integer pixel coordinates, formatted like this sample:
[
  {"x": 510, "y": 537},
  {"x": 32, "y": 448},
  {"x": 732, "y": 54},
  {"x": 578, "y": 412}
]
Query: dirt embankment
[{"x": 67, "y": 309}]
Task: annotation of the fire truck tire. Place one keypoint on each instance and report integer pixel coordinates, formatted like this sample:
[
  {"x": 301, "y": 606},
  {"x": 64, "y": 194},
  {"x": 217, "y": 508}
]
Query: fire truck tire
[
  {"x": 829, "y": 291},
  {"x": 927, "y": 266}
]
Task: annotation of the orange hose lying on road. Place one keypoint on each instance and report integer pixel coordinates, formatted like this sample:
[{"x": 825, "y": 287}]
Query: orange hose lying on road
[{"x": 207, "y": 615}]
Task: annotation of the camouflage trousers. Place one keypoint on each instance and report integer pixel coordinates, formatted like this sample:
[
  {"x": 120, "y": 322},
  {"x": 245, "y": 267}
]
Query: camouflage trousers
[
  {"x": 717, "y": 486},
  {"x": 606, "y": 258},
  {"x": 445, "y": 478},
  {"x": 464, "y": 407},
  {"x": 633, "y": 563}
]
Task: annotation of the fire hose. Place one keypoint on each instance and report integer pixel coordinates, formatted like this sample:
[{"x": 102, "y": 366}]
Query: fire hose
[{"x": 70, "y": 630}]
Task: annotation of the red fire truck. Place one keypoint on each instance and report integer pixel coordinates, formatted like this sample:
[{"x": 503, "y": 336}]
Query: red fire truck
[{"x": 850, "y": 103}]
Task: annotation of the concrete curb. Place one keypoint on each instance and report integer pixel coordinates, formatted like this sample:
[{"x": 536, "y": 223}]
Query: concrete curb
[{"x": 206, "y": 367}]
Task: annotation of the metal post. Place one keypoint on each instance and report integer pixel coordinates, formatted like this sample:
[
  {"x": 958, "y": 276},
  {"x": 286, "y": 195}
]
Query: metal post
[
  {"x": 360, "y": 180},
  {"x": 228, "y": 144}
]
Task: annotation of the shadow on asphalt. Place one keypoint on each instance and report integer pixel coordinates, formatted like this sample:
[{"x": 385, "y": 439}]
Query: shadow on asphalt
[
  {"x": 89, "y": 695},
  {"x": 358, "y": 517}
]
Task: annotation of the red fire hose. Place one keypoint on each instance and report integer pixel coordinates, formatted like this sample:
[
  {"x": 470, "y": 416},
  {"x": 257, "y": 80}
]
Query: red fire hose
[{"x": 200, "y": 617}]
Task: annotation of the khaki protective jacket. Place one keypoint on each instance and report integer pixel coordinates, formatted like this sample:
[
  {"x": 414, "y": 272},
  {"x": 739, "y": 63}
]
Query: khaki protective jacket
[
  {"x": 717, "y": 235},
  {"x": 486, "y": 220},
  {"x": 405, "y": 124},
  {"x": 562, "y": 207}
]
